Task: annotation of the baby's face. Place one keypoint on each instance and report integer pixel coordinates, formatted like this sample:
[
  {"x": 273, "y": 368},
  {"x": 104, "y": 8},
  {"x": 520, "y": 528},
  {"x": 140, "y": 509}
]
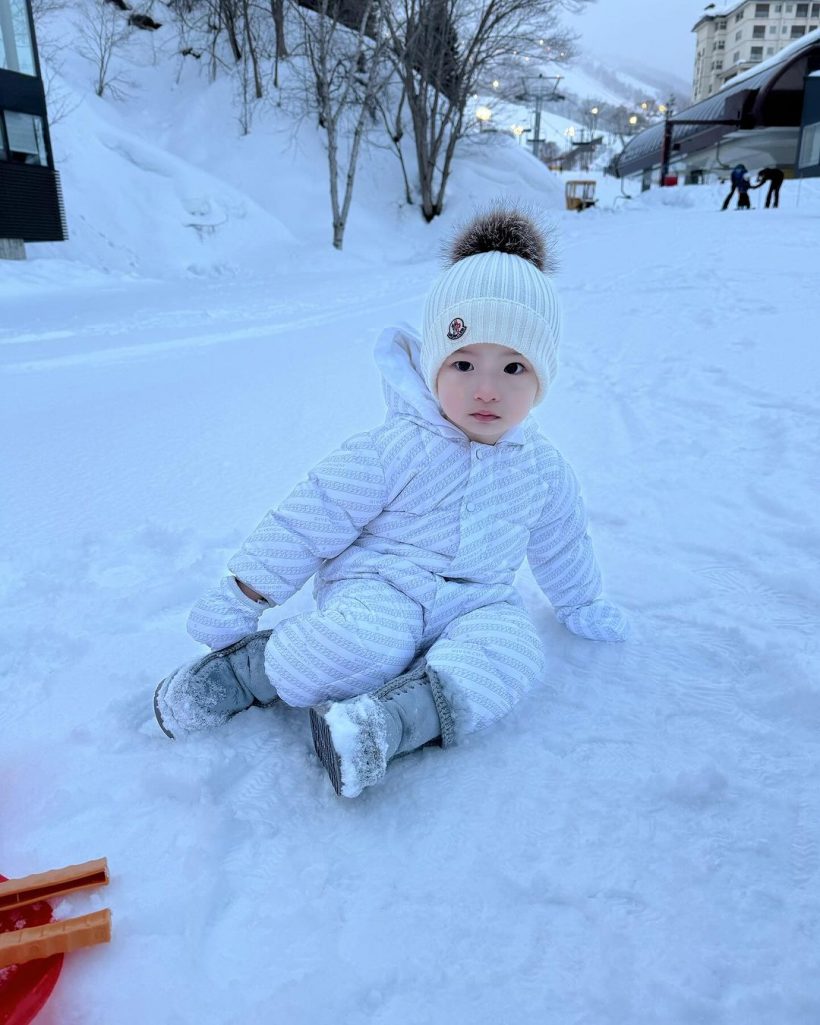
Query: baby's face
[{"x": 486, "y": 390}]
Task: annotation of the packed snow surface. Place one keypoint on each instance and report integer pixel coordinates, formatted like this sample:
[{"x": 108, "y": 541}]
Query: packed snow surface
[{"x": 637, "y": 842}]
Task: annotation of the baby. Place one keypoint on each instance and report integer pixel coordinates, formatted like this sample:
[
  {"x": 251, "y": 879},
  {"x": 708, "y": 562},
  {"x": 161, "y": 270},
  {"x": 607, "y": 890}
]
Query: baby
[{"x": 414, "y": 532}]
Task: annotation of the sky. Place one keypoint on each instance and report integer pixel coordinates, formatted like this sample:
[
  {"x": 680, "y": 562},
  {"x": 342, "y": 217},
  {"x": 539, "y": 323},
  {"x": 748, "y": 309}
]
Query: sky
[{"x": 660, "y": 36}]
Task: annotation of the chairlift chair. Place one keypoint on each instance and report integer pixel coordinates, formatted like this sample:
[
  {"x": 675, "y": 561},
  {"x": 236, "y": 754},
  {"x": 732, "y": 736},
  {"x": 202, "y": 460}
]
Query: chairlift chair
[{"x": 580, "y": 194}]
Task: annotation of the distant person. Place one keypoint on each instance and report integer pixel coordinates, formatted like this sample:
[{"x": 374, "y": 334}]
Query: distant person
[
  {"x": 415, "y": 531},
  {"x": 741, "y": 183},
  {"x": 774, "y": 176}
]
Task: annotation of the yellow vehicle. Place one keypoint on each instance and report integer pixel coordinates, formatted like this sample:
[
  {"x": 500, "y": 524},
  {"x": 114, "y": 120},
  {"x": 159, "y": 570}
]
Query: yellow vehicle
[{"x": 580, "y": 194}]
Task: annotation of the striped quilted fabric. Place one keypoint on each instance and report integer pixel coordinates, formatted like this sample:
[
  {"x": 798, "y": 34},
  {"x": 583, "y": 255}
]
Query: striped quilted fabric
[{"x": 411, "y": 527}]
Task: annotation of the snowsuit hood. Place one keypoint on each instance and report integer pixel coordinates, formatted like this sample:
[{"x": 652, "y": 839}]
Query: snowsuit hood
[{"x": 398, "y": 357}]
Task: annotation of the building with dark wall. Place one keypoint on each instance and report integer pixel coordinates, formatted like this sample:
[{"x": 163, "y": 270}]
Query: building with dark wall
[{"x": 31, "y": 205}]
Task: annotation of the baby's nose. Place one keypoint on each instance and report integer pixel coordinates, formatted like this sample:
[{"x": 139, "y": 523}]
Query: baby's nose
[{"x": 486, "y": 391}]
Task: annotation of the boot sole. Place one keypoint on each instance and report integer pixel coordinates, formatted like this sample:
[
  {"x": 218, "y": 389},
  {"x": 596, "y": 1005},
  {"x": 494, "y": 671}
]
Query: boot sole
[
  {"x": 158, "y": 714},
  {"x": 325, "y": 751}
]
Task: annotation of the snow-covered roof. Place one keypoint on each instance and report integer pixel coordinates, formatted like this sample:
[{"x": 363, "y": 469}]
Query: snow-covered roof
[
  {"x": 781, "y": 57},
  {"x": 719, "y": 11}
]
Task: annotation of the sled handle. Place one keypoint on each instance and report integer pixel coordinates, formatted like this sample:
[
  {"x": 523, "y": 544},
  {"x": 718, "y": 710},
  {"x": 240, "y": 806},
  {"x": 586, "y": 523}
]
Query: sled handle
[
  {"x": 15, "y": 893},
  {"x": 54, "y": 938}
]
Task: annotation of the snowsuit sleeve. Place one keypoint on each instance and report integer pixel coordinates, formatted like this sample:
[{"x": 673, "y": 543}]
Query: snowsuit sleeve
[
  {"x": 318, "y": 520},
  {"x": 564, "y": 565}
]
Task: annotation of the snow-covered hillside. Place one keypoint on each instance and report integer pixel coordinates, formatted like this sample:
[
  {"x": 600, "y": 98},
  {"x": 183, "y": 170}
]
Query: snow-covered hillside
[
  {"x": 637, "y": 842},
  {"x": 168, "y": 162}
]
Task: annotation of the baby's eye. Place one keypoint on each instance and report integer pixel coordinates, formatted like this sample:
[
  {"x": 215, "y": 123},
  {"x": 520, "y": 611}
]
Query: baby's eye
[
  {"x": 515, "y": 368},
  {"x": 463, "y": 365}
]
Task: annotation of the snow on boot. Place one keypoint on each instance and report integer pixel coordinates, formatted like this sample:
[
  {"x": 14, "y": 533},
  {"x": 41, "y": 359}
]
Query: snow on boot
[
  {"x": 350, "y": 738},
  {"x": 214, "y": 688},
  {"x": 356, "y": 739}
]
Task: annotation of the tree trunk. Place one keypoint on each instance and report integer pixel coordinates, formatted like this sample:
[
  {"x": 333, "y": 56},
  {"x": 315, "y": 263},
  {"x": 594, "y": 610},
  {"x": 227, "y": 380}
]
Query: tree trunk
[
  {"x": 229, "y": 21},
  {"x": 277, "y": 10},
  {"x": 257, "y": 79}
]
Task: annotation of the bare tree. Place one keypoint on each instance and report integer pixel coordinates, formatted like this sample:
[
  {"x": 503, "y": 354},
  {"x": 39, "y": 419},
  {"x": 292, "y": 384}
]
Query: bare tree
[
  {"x": 277, "y": 10},
  {"x": 347, "y": 70},
  {"x": 103, "y": 33},
  {"x": 443, "y": 50},
  {"x": 228, "y": 17},
  {"x": 51, "y": 46},
  {"x": 392, "y": 114},
  {"x": 251, "y": 48}
]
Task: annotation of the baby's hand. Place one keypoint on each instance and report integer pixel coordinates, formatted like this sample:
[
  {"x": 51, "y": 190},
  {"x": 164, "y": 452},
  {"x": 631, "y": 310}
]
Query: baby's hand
[
  {"x": 224, "y": 615},
  {"x": 598, "y": 621}
]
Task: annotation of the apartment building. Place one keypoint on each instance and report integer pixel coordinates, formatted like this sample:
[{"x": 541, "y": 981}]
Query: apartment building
[
  {"x": 732, "y": 37},
  {"x": 31, "y": 206}
]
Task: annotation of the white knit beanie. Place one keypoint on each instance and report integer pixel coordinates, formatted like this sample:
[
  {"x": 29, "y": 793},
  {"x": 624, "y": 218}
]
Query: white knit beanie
[{"x": 495, "y": 291}]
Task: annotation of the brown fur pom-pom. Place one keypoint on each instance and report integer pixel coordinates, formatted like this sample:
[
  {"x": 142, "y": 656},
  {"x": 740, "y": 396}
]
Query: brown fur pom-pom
[{"x": 503, "y": 230}]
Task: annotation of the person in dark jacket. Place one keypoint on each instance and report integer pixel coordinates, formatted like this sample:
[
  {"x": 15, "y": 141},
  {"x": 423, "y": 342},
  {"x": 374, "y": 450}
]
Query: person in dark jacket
[
  {"x": 774, "y": 176},
  {"x": 740, "y": 184}
]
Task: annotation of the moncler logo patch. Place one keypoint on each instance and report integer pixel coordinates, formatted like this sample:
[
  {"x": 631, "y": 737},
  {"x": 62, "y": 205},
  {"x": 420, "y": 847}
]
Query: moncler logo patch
[{"x": 457, "y": 329}]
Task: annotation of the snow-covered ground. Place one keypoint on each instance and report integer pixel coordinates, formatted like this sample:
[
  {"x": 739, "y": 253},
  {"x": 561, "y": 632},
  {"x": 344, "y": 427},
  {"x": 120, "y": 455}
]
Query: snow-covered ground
[{"x": 638, "y": 841}]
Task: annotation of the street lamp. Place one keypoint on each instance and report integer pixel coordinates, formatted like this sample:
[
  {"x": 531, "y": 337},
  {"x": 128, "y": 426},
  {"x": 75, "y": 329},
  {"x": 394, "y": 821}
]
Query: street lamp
[{"x": 483, "y": 114}]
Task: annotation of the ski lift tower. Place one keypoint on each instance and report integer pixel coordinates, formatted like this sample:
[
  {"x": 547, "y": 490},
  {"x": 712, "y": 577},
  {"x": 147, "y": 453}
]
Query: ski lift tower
[{"x": 538, "y": 91}]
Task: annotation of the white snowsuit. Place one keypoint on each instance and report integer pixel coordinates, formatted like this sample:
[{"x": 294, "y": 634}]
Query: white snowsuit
[{"x": 415, "y": 533}]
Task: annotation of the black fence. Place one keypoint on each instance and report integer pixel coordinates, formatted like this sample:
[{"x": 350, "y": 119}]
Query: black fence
[{"x": 31, "y": 203}]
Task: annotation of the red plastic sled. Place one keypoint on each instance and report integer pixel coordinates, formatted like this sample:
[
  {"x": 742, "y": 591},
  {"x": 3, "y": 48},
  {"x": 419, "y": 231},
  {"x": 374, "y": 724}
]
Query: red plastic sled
[{"x": 24, "y": 988}]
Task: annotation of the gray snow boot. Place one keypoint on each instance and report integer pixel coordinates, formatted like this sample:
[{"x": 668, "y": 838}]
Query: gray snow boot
[
  {"x": 211, "y": 690},
  {"x": 355, "y": 739}
]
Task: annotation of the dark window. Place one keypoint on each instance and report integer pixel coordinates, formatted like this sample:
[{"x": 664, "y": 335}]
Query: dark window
[
  {"x": 16, "y": 50},
  {"x": 759, "y": 32},
  {"x": 721, "y": 24},
  {"x": 757, "y": 53},
  {"x": 802, "y": 11},
  {"x": 815, "y": 10},
  {"x": 721, "y": 45},
  {"x": 798, "y": 30},
  {"x": 26, "y": 144},
  {"x": 761, "y": 10},
  {"x": 739, "y": 16}
]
